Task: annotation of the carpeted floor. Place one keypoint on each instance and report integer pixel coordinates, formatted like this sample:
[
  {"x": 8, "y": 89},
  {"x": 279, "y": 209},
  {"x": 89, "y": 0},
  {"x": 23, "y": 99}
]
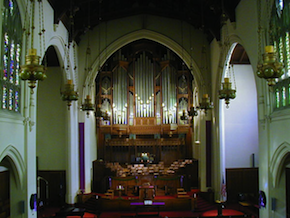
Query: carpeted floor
[{"x": 203, "y": 209}]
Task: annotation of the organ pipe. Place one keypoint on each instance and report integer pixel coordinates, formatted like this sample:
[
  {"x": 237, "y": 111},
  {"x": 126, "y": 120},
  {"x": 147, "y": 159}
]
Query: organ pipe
[{"x": 144, "y": 86}]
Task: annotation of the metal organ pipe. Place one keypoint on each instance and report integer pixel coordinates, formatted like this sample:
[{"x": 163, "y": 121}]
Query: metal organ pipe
[{"x": 144, "y": 86}]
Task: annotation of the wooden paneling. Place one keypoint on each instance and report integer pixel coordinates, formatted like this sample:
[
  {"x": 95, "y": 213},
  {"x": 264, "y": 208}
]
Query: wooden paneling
[
  {"x": 4, "y": 185},
  {"x": 4, "y": 194},
  {"x": 242, "y": 183},
  {"x": 56, "y": 186}
]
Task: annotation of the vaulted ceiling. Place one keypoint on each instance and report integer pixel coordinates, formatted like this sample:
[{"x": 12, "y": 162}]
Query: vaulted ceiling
[
  {"x": 198, "y": 13},
  {"x": 201, "y": 14}
]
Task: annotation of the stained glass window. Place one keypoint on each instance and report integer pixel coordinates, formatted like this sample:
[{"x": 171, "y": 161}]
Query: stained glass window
[{"x": 10, "y": 61}]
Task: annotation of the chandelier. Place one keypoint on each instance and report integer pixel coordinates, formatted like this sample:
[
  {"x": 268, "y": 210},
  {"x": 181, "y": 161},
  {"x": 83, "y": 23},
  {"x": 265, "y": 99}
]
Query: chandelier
[
  {"x": 227, "y": 92},
  {"x": 102, "y": 115},
  {"x": 88, "y": 105},
  {"x": 69, "y": 94},
  {"x": 191, "y": 113},
  {"x": 32, "y": 70},
  {"x": 269, "y": 68},
  {"x": 205, "y": 103}
]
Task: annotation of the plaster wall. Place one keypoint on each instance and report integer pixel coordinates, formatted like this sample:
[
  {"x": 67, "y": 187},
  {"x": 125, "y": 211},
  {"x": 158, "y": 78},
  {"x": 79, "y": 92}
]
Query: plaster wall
[
  {"x": 241, "y": 121},
  {"x": 110, "y": 32},
  {"x": 51, "y": 123}
]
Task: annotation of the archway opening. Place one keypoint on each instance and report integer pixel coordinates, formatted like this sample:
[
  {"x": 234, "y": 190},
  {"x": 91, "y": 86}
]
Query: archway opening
[
  {"x": 239, "y": 130},
  {"x": 11, "y": 192},
  {"x": 51, "y": 134}
]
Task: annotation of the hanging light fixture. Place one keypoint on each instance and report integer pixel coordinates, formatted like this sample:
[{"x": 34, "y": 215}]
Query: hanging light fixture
[
  {"x": 269, "y": 68},
  {"x": 88, "y": 105},
  {"x": 32, "y": 70},
  {"x": 205, "y": 103},
  {"x": 69, "y": 94},
  {"x": 101, "y": 115},
  {"x": 191, "y": 113},
  {"x": 226, "y": 91}
]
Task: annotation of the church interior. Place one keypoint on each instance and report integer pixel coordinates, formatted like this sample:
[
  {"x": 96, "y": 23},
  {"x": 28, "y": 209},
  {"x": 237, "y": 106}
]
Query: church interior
[{"x": 144, "y": 108}]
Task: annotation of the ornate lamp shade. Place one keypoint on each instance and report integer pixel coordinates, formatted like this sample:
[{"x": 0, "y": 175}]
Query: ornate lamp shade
[
  {"x": 205, "y": 103},
  {"x": 88, "y": 105},
  {"x": 100, "y": 114},
  {"x": 184, "y": 116},
  {"x": 69, "y": 94},
  {"x": 32, "y": 70},
  {"x": 270, "y": 69},
  {"x": 192, "y": 112},
  {"x": 227, "y": 92}
]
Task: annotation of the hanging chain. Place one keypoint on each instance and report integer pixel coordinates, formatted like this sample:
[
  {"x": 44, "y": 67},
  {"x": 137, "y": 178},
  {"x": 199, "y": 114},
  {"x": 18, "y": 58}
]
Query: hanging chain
[
  {"x": 32, "y": 23},
  {"x": 26, "y": 25},
  {"x": 269, "y": 8},
  {"x": 234, "y": 79},
  {"x": 259, "y": 31},
  {"x": 41, "y": 27}
]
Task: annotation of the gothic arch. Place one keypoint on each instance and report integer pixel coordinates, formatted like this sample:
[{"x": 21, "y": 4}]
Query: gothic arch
[
  {"x": 278, "y": 160},
  {"x": 144, "y": 34},
  {"x": 15, "y": 162},
  {"x": 59, "y": 45}
]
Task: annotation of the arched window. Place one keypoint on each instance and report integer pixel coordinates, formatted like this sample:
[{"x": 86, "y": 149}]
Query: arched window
[{"x": 10, "y": 53}]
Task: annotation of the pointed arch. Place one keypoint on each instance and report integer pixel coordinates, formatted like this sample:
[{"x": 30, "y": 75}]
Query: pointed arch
[
  {"x": 144, "y": 34},
  {"x": 278, "y": 161},
  {"x": 15, "y": 161}
]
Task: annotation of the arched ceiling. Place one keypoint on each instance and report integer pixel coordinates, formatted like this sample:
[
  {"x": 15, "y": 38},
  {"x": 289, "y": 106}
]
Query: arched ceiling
[{"x": 204, "y": 14}]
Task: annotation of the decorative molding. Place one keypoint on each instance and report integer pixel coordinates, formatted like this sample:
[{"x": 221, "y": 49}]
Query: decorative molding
[
  {"x": 16, "y": 163},
  {"x": 277, "y": 162}
]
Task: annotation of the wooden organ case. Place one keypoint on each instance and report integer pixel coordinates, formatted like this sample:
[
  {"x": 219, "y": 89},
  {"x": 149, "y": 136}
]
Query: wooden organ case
[{"x": 142, "y": 92}]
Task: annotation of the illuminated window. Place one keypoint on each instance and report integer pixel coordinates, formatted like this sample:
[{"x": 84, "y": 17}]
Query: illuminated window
[
  {"x": 283, "y": 96},
  {"x": 277, "y": 93},
  {"x": 11, "y": 50},
  {"x": 280, "y": 5},
  {"x": 280, "y": 38},
  {"x": 287, "y": 46}
]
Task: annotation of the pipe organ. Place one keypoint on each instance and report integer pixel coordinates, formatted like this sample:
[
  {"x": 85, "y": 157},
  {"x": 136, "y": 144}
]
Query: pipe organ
[{"x": 144, "y": 89}]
